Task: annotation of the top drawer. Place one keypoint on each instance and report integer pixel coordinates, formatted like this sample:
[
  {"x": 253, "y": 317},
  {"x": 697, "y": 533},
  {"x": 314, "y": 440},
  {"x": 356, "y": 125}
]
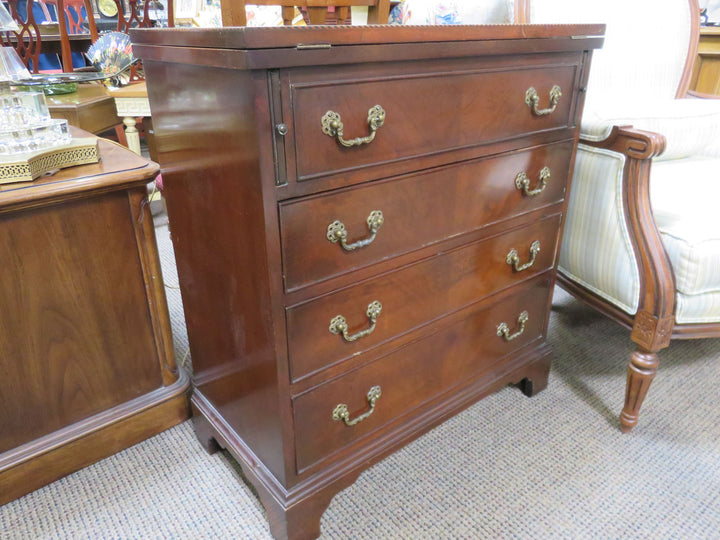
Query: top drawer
[{"x": 422, "y": 111}]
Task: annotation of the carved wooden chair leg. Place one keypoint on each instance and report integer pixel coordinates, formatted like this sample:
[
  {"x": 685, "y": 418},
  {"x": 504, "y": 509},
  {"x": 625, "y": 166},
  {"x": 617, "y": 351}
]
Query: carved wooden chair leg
[
  {"x": 651, "y": 333},
  {"x": 120, "y": 134},
  {"x": 641, "y": 372}
]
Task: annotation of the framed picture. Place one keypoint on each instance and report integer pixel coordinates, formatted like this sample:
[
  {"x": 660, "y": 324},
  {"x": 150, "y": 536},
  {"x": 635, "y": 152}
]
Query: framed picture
[{"x": 186, "y": 9}]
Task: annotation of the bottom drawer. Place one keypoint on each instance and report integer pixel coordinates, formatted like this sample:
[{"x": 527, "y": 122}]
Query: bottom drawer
[{"x": 410, "y": 376}]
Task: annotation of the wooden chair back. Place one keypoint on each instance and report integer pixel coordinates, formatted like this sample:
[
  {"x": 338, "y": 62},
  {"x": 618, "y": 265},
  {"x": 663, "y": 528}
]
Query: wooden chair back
[
  {"x": 27, "y": 40},
  {"x": 70, "y": 20},
  {"x": 72, "y": 12},
  {"x": 233, "y": 11},
  {"x": 138, "y": 17},
  {"x": 650, "y": 45}
]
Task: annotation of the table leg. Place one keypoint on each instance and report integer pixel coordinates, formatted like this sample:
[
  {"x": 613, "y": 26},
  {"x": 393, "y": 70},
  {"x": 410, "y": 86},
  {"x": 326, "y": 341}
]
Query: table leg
[{"x": 131, "y": 133}]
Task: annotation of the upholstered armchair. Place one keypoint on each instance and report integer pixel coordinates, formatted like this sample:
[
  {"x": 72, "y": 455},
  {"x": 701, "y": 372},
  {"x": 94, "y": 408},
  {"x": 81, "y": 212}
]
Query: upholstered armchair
[{"x": 642, "y": 239}]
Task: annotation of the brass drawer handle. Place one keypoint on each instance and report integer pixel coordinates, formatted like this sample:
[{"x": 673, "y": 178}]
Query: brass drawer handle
[
  {"x": 338, "y": 324},
  {"x": 332, "y": 126},
  {"x": 504, "y": 332},
  {"x": 336, "y": 231},
  {"x": 522, "y": 182},
  {"x": 340, "y": 412},
  {"x": 532, "y": 100},
  {"x": 513, "y": 259}
]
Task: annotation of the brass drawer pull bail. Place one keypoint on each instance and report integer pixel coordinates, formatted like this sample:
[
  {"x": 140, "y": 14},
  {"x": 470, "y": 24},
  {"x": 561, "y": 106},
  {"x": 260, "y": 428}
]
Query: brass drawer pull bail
[
  {"x": 513, "y": 259},
  {"x": 338, "y": 324},
  {"x": 333, "y": 127},
  {"x": 504, "y": 332},
  {"x": 522, "y": 182},
  {"x": 532, "y": 100},
  {"x": 340, "y": 412},
  {"x": 336, "y": 231}
]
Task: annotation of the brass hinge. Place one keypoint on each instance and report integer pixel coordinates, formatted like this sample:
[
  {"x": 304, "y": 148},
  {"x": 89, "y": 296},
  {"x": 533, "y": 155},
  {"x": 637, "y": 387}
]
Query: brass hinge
[{"x": 310, "y": 46}]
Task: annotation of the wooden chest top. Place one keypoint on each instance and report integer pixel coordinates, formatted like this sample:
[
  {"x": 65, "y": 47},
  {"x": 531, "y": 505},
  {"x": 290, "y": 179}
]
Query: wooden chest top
[{"x": 256, "y": 48}]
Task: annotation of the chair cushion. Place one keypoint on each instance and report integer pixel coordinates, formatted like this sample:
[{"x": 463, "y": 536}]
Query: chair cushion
[
  {"x": 684, "y": 197},
  {"x": 690, "y": 126},
  {"x": 698, "y": 308}
]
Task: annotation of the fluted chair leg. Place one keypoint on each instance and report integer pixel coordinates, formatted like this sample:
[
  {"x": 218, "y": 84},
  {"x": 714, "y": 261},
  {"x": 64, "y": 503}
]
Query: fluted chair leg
[{"x": 641, "y": 372}]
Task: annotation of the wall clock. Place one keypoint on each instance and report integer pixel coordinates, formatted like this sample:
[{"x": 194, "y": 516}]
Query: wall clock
[{"x": 107, "y": 8}]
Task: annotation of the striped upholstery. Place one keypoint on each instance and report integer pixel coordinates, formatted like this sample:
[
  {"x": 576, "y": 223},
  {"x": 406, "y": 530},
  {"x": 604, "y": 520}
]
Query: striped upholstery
[
  {"x": 684, "y": 196},
  {"x": 699, "y": 308},
  {"x": 596, "y": 249}
]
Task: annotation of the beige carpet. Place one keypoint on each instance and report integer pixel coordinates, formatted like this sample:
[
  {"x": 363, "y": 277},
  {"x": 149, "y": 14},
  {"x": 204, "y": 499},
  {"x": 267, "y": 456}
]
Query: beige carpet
[{"x": 554, "y": 466}]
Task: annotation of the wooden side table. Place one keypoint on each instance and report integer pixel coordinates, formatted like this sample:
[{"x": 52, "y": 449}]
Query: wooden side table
[
  {"x": 87, "y": 364},
  {"x": 91, "y": 108},
  {"x": 706, "y": 73},
  {"x": 131, "y": 103}
]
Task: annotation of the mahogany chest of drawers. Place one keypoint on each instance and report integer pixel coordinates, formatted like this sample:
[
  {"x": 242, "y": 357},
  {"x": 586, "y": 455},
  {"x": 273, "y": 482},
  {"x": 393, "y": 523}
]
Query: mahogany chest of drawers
[{"x": 366, "y": 225}]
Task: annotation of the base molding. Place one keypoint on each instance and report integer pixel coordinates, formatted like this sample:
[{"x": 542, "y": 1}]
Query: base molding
[
  {"x": 294, "y": 511},
  {"x": 49, "y": 458}
]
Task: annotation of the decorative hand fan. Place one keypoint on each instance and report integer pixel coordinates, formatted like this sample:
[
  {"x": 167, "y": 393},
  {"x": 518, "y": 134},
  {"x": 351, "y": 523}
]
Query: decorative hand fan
[{"x": 111, "y": 54}]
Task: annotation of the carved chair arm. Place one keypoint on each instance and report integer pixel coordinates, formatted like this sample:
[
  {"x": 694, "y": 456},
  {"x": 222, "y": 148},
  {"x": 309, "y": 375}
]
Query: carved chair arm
[
  {"x": 657, "y": 282},
  {"x": 691, "y": 126},
  {"x": 634, "y": 143}
]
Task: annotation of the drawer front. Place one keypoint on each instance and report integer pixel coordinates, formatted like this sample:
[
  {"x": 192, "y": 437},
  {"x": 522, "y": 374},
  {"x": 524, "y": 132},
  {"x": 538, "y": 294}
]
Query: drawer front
[
  {"x": 424, "y": 113},
  {"x": 417, "y": 372},
  {"x": 417, "y": 210},
  {"x": 413, "y": 295}
]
